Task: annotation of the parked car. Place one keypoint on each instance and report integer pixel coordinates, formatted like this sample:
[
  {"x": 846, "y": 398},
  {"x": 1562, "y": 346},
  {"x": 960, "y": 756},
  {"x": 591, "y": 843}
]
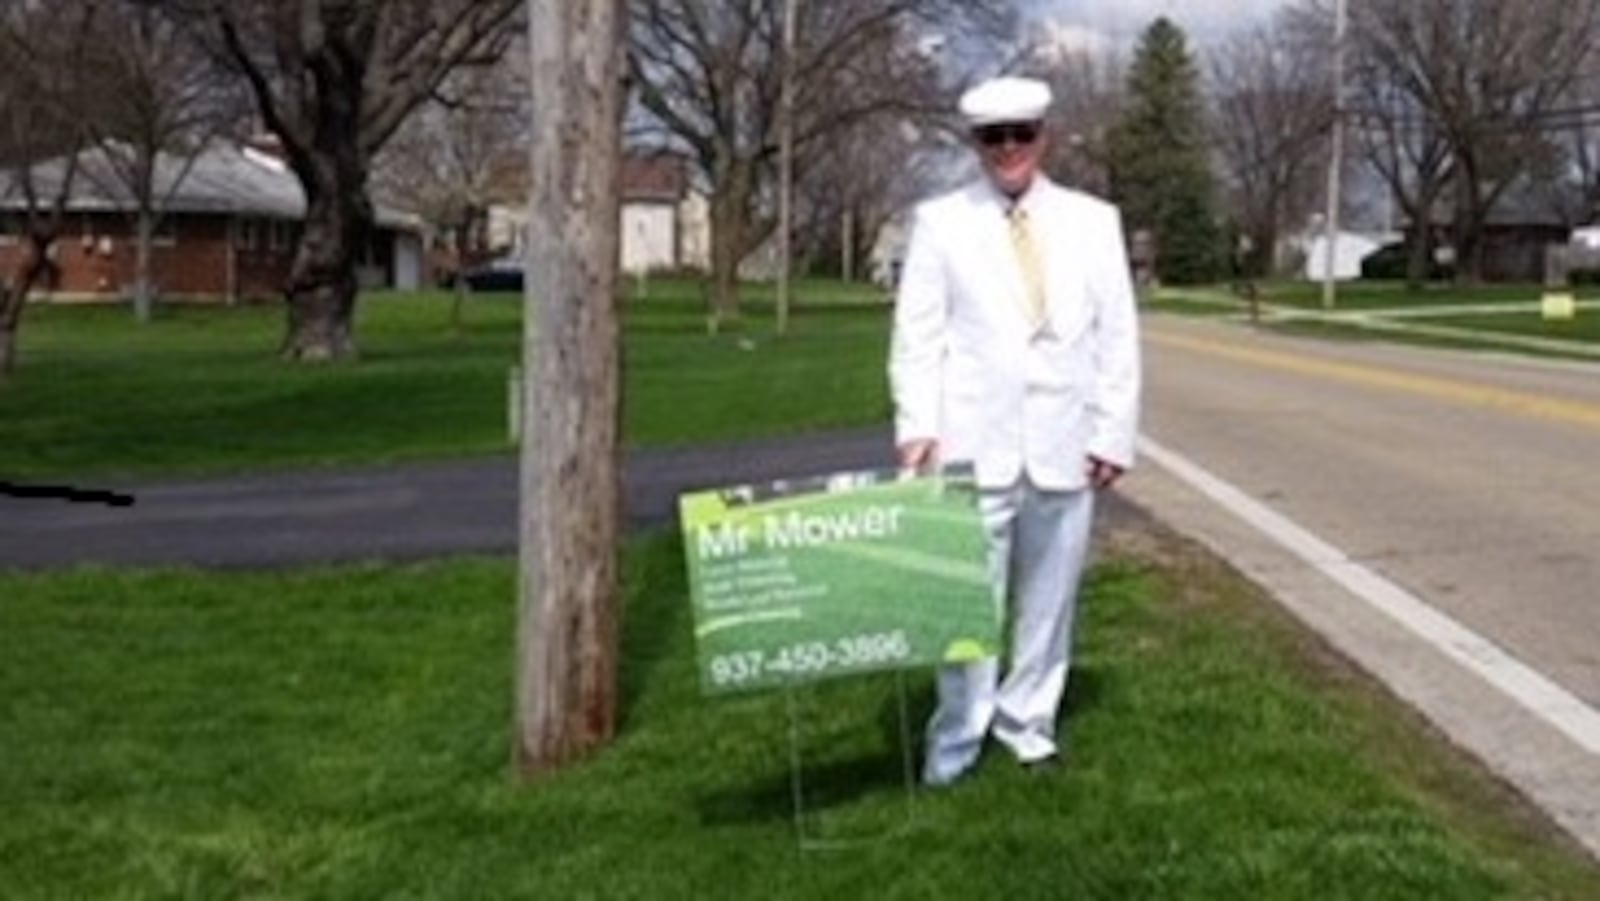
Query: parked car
[
  {"x": 502, "y": 273},
  {"x": 1389, "y": 263}
]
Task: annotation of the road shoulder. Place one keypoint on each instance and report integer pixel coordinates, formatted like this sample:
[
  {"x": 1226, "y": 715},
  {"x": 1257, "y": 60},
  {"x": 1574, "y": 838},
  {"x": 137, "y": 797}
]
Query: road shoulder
[{"x": 1547, "y": 768}]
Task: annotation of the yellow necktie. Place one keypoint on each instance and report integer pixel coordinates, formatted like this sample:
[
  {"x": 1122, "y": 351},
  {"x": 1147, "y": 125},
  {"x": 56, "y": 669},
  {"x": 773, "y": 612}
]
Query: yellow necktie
[{"x": 1028, "y": 261}]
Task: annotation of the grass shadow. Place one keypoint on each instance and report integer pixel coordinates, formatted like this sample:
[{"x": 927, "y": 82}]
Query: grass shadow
[
  {"x": 825, "y": 786},
  {"x": 656, "y": 600},
  {"x": 1084, "y": 692},
  {"x": 1085, "y": 687}
]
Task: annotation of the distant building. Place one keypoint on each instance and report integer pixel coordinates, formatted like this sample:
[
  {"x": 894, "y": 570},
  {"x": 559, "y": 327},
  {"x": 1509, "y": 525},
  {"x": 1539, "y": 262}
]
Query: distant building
[
  {"x": 227, "y": 231},
  {"x": 665, "y": 224},
  {"x": 1521, "y": 227},
  {"x": 1348, "y": 249},
  {"x": 889, "y": 251}
]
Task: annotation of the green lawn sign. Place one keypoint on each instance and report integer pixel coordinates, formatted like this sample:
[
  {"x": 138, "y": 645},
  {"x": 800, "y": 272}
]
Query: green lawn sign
[{"x": 808, "y": 579}]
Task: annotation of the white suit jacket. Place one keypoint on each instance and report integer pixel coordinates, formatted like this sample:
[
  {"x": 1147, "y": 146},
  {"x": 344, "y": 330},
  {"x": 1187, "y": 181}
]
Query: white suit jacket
[{"x": 966, "y": 368}]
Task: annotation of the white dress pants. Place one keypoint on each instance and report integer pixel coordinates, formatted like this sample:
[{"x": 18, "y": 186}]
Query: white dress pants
[{"x": 1037, "y": 544}]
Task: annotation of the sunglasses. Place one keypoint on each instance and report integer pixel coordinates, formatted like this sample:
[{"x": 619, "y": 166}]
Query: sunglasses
[{"x": 1015, "y": 132}]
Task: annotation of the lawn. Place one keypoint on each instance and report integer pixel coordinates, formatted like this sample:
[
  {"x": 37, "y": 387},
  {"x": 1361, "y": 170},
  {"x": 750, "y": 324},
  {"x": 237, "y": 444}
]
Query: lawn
[
  {"x": 1195, "y": 303},
  {"x": 1375, "y": 295},
  {"x": 343, "y": 733},
  {"x": 200, "y": 390},
  {"x": 1583, "y": 327}
]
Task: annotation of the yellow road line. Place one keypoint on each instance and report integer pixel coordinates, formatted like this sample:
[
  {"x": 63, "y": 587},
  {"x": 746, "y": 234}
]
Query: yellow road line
[{"x": 1521, "y": 403}]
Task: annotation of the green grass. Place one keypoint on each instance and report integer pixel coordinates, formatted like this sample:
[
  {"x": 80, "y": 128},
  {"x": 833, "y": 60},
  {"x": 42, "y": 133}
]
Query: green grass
[
  {"x": 344, "y": 733},
  {"x": 1583, "y": 327},
  {"x": 1180, "y": 304},
  {"x": 1365, "y": 295},
  {"x": 1377, "y": 297},
  {"x": 1354, "y": 333},
  {"x": 200, "y": 390}
]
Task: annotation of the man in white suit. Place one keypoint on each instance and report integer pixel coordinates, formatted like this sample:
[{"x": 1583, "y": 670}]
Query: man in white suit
[{"x": 1016, "y": 348}]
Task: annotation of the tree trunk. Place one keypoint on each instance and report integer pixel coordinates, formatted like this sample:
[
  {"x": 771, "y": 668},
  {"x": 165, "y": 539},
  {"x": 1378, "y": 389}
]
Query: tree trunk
[
  {"x": 143, "y": 295},
  {"x": 459, "y": 301},
  {"x": 14, "y": 292},
  {"x": 322, "y": 283},
  {"x": 1419, "y": 254},
  {"x": 727, "y": 239},
  {"x": 1467, "y": 227},
  {"x": 571, "y": 498},
  {"x": 11, "y": 302},
  {"x": 1258, "y": 263},
  {"x": 1469, "y": 250},
  {"x": 730, "y": 234}
]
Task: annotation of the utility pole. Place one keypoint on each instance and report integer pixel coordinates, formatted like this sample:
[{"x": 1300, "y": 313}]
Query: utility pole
[
  {"x": 786, "y": 166},
  {"x": 1330, "y": 222},
  {"x": 569, "y": 488},
  {"x": 847, "y": 242}
]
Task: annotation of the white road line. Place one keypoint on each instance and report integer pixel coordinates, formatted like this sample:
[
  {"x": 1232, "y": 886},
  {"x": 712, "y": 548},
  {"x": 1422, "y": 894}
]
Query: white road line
[{"x": 1545, "y": 699}]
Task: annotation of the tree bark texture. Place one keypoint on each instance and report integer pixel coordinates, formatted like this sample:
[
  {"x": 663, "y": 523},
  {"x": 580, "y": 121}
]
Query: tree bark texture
[
  {"x": 730, "y": 206},
  {"x": 1419, "y": 253},
  {"x": 143, "y": 290},
  {"x": 11, "y": 301},
  {"x": 322, "y": 286},
  {"x": 14, "y": 290},
  {"x": 567, "y": 631}
]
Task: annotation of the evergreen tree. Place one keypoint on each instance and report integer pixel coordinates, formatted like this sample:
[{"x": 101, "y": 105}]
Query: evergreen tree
[{"x": 1160, "y": 169}]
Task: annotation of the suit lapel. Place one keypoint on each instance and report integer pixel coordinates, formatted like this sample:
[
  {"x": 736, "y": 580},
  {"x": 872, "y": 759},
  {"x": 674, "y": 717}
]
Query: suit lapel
[{"x": 1059, "y": 251}]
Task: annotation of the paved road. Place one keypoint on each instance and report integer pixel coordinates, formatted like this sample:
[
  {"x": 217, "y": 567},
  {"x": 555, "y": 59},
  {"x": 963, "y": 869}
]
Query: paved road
[
  {"x": 1469, "y": 482},
  {"x": 392, "y": 513},
  {"x": 1473, "y": 481}
]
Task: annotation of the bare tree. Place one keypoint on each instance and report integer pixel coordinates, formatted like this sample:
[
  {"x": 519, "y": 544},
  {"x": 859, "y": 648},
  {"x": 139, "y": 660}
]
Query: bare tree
[
  {"x": 46, "y": 96},
  {"x": 1273, "y": 106},
  {"x": 1487, "y": 77},
  {"x": 567, "y": 630},
  {"x": 170, "y": 104},
  {"x": 1572, "y": 185},
  {"x": 1411, "y": 155},
  {"x": 1089, "y": 86},
  {"x": 445, "y": 161},
  {"x": 708, "y": 73},
  {"x": 334, "y": 80},
  {"x": 859, "y": 181}
]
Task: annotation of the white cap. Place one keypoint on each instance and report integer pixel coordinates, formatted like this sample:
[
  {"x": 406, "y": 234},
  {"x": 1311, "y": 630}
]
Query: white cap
[{"x": 1005, "y": 100}]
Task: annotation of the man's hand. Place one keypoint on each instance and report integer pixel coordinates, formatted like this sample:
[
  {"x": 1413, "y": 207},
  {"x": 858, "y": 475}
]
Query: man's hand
[
  {"x": 1102, "y": 473},
  {"x": 921, "y": 455}
]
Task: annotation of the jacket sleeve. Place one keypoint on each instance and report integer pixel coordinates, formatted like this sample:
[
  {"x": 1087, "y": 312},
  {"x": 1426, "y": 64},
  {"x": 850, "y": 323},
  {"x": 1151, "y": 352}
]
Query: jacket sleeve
[
  {"x": 917, "y": 344},
  {"x": 1114, "y": 398}
]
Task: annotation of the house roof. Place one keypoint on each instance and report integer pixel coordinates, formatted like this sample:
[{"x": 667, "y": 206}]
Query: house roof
[
  {"x": 1525, "y": 205},
  {"x": 223, "y": 178},
  {"x": 658, "y": 177}
]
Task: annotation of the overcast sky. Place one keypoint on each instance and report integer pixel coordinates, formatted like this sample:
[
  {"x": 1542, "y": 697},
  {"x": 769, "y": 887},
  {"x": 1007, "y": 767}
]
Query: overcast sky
[{"x": 1118, "y": 22}]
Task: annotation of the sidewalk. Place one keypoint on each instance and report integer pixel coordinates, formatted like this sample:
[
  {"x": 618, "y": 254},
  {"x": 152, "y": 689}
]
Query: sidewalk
[{"x": 1401, "y": 320}]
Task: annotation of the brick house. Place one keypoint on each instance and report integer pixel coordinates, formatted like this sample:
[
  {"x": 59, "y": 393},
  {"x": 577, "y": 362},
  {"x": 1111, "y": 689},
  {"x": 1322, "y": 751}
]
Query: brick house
[{"x": 227, "y": 233}]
